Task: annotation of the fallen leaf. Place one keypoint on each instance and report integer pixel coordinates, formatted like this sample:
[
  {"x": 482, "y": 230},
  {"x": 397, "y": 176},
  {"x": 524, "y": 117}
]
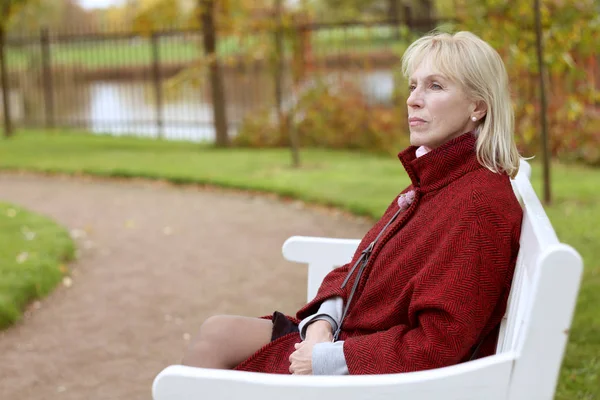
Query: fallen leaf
[
  {"x": 67, "y": 282},
  {"x": 29, "y": 235},
  {"x": 22, "y": 257},
  {"x": 130, "y": 224},
  {"x": 78, "y": 233}
]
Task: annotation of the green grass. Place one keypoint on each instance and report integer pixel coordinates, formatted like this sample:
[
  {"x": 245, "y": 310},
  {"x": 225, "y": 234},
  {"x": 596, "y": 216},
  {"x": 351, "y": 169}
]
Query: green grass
[
  {"x": 108, "y": 54},
  {"x": 32, "y": 252},
  {"x": 116, "y": 53},
  {"x": 360, "y": 183}
]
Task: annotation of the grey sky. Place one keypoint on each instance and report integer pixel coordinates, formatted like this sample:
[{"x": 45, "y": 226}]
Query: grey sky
[{"x": 100, "y": 3}]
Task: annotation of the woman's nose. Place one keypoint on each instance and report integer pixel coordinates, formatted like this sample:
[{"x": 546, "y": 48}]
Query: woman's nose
[{"x": 415, "y": 99}]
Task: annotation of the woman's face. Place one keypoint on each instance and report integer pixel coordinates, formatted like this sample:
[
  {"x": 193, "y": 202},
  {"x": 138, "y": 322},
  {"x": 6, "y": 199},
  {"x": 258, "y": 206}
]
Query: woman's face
[{"x": 438, "y": 108}]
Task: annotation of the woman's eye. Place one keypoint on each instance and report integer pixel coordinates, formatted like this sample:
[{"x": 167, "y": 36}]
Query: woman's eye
[
  {"x": 411, "y": 88},
  {"x": 436, "y": 86}
]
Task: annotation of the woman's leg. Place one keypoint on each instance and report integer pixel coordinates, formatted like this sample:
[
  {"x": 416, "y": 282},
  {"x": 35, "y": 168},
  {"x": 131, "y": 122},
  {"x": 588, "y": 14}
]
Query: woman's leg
[{"x": 225, "y": 341}]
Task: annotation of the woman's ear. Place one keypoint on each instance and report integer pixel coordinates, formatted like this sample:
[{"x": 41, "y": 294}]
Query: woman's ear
[{"x": 479, "y": 109}]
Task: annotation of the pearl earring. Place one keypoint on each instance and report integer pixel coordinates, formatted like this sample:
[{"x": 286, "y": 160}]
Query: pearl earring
[{"x": 474, "y": 119}]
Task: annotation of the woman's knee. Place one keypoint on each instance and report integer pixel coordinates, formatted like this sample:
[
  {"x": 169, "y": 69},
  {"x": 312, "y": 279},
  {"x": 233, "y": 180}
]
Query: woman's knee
[
  {"x": 224, "y": 341},
  {"x": 205, "y": 350},
  {"x": 215, "y": 329}
]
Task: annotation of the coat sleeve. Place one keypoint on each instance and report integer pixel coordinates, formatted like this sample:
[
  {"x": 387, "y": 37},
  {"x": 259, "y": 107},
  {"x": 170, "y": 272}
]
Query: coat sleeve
[
  {"x": 330, "y": 311},
  {"x": 453, "y": 296},
  {"x": 331, "y": 287}
]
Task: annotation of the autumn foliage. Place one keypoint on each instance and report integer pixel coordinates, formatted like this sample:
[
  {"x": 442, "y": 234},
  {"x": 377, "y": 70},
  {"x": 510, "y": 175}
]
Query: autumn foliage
[
  {"x": 571, "y": 35},
  {"x": 335, "y": 116}
]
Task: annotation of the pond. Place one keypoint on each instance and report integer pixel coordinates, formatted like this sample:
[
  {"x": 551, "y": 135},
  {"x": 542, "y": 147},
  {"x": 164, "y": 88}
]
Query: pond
[{"x": 121, "y": 107}]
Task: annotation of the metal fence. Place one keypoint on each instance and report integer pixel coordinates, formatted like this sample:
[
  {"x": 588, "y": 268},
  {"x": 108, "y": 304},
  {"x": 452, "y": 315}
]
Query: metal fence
[
  {"x": 127, "y": 83},
  {"x": 152, "y": 85}
]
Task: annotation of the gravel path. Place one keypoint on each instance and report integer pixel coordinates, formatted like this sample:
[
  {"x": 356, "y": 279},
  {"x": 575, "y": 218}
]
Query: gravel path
[{"x": 154, "y": 261}]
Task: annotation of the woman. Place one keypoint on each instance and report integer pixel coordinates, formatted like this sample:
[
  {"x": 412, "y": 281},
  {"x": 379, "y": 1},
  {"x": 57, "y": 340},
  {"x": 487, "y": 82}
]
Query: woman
[{"x": 429, "y": 283}]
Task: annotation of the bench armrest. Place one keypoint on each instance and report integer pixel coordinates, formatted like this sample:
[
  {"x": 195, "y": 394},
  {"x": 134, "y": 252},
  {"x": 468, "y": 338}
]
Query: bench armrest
[{"x": 321, "y": 255}]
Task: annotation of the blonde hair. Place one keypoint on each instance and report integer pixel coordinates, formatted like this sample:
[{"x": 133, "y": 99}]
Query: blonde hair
[{"x": 470, "y": 61}]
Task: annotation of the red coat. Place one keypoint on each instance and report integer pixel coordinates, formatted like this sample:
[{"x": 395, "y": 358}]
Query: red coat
[{"x": 437, "y": 283}]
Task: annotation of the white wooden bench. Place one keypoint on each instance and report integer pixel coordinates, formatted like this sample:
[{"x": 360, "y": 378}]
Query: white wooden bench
[{"x": 532, "y": 339}]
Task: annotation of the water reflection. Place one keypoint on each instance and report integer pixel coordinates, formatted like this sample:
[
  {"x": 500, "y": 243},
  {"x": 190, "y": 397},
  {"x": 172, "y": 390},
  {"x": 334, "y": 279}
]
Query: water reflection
[
  {"x": 127, "y": 108},
  {"x": 130, "y": 108}
]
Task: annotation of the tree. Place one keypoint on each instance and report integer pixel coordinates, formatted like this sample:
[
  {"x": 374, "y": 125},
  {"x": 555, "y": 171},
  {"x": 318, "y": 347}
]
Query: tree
[
  {"x": 7, "y": 9},
  {"x": 150, "y": 15},
  {"x": 56, "y": 16},
  {"x": 209, "y": 41},
  {"x": 373, "y": 9},
  {"x": 232, "y": 17},
  {"x": 154, "y": 14},
  {"x": 238, "y": 18},
  {"x": 571, "y": 32}
]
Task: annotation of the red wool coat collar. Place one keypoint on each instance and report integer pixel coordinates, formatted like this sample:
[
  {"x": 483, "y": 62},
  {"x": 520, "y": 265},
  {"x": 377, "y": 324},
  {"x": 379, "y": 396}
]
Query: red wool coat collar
[{"x": 442, "y": 165}]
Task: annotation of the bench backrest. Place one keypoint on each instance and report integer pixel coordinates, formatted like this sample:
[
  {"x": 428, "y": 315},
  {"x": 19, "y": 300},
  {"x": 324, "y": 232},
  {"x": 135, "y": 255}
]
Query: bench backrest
[
  {"x": 542, "y": 299},
  {"x": 540, "y": 306}
]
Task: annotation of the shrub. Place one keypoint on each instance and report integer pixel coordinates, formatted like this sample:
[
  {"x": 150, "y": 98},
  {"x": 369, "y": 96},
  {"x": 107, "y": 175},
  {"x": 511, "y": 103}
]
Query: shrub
[
  {"x": 338, "y": 116},
  {"x": 335, "y": 116}
]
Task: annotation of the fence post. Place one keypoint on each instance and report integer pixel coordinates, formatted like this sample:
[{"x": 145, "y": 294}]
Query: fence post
[
  {"x": 47, "y": 78},
  {"x": 157, "y": 84},
  {"x": 408, "y": 17},
  {"x": 8, "y": 127},
  {"x": 285, "y": 124},
  {"x": 278, "y": 65},
  {"x": 543, "y": 103},
  {"x": 394, "y": 11}
]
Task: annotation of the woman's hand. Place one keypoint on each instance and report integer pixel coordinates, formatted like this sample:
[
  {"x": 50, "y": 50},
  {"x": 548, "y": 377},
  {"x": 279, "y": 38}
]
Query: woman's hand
[
  {"x": 301, "y": 359},
  {"x": 319, "y": 332}
]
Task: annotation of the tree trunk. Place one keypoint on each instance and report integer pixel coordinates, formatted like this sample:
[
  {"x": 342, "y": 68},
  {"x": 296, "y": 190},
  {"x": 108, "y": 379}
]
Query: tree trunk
[
  {"x": 8, "y": 127},
  {"x": 394, "y": 10},
  {"x": 209, "y": 38},
  {"x": 285, "y": 124},
  {"x": 428, "y": 14},
  {"x": 543, "y": 104},
  {"x": 394, "y": 16}
]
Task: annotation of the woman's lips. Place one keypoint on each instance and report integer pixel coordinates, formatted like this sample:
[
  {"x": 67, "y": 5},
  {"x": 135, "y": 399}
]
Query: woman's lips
[{"x": 413, "y": 121}]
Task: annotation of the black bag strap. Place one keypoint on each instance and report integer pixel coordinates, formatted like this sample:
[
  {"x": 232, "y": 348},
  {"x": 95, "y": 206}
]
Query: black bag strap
[{"x": 362, "y": 261}]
